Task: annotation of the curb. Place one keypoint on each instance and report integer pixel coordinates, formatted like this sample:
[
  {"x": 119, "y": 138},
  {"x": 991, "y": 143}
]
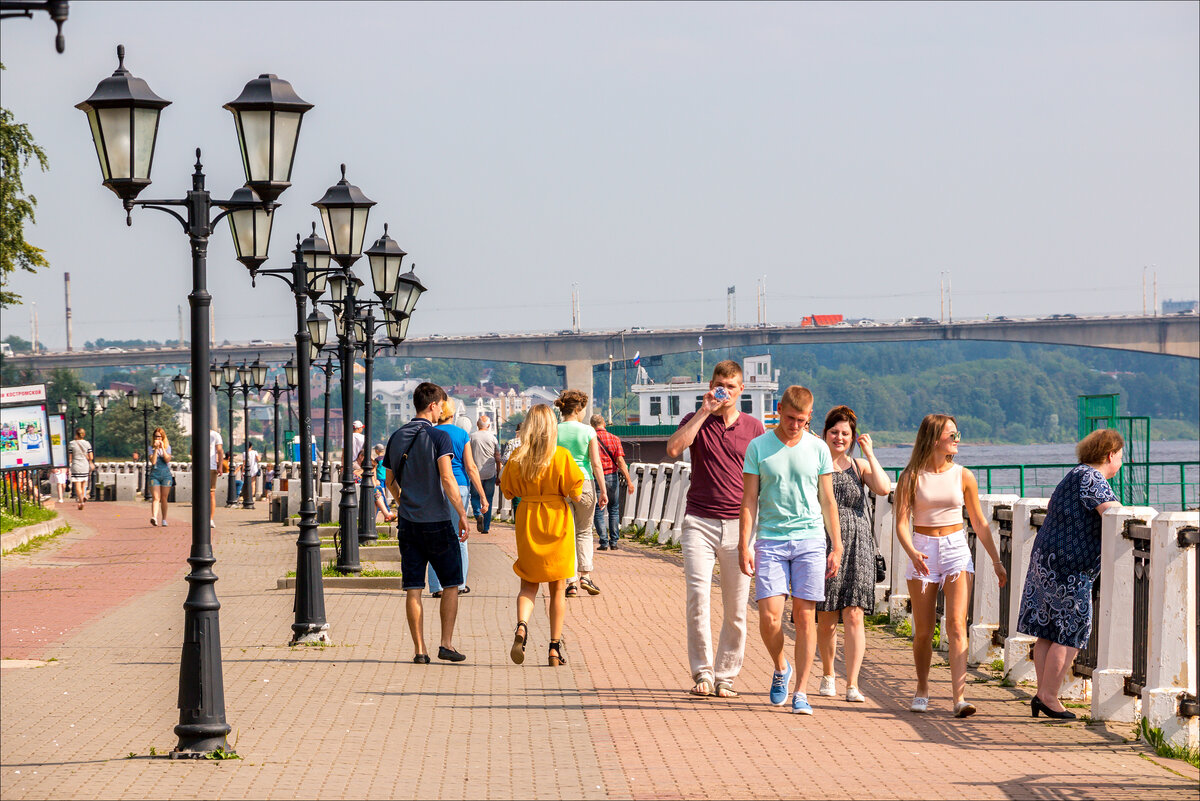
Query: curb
[
  {"x": 368, "y": 553},
  {"x": 355, "y": 582},
  {"x": 22, "y": 535}
]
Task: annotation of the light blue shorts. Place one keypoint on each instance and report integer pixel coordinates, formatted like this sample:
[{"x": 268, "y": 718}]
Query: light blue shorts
[{"x": 790, "y": 567}]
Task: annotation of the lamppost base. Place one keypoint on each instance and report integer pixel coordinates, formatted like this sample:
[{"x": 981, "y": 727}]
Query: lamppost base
[
  {"x": 197, "y": 741},
  {"x": 309, "y": 635}
]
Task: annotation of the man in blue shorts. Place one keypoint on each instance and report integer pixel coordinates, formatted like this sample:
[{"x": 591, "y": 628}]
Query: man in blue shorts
[
  {"x": 788, "y": 486},
  {"x": 419, "y": 475}
]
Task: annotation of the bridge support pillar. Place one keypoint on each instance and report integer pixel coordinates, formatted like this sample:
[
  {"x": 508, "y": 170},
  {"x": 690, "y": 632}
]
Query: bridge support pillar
[{"x": 579, "y": 376}]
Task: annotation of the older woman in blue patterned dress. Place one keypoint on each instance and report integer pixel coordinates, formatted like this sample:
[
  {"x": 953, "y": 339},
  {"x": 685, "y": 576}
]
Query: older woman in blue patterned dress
[{"x": 1056, "y": 603}]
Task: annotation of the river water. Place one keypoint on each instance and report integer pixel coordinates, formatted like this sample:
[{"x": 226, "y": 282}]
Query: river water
[{"x": 1058, "y": 453}]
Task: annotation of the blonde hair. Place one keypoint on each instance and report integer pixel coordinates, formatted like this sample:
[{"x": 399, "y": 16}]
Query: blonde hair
[
  {"x": 448, "y": 412},
  {"x": 797, "y": 398},
  {"x": 539, "y": 441},
  {"x": 931, "y": 430}
]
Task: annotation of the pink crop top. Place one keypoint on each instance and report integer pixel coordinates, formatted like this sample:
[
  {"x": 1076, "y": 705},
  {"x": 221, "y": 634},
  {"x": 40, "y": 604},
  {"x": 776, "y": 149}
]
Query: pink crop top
[{"x": 939, "y": 500}]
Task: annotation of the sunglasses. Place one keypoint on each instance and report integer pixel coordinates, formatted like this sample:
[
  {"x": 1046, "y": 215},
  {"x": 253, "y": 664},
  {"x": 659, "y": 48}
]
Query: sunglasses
[{"x": 956, "y": 436}]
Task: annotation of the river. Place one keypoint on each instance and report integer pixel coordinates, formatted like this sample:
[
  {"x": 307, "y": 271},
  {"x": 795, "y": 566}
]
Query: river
[{"x": 1058, "y": 453}]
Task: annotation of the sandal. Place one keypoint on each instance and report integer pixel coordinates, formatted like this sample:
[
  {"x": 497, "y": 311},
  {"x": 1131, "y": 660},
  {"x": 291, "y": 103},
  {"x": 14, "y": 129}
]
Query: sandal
[
  {"x": 572, "y": 591},
  {"x": 557, "y": 657},
  {"x": 725, "y": 690},
  {"x": 704, "y": 687},
  {"x": 589, "y": 585},
  {"x": 518, "y": 647}
]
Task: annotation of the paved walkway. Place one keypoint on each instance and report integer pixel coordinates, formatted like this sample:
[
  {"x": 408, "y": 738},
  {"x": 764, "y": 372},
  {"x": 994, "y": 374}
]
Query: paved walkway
[{"x": 359, "y": 720}]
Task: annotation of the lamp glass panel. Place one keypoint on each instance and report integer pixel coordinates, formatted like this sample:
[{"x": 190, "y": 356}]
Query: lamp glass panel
[
  {"x": 230, "y": 372},
  {"x": 314, "y": 351},
  {"x": 289, "y": 372},
  {"x": 132, "y": 400},
  {"x": 180, "y": 383},
  {"x": 359, "y": 230},
  {"x": 114, "y": 122},
  {"x": 156, "y": 398},
  {"x": 241, "y": 225},
  {"x": 215, "y": 375},
  {"x": 400, "y": 300},
  {"x": 260, "y": 225},
  {"x": 260, "y": 373},
  {"x": 82, "y": 401},
  {"x": 254, "y": 129},
  {"x": 403, "y": 328},
  {"x": 287, "y": 130},
  {"x": 337, "y": 223},
  {"x": 337, "y": 287},
  {"x": 360, "y": 329},
  {"x": 98, "y": 140},
  {"x": 145, "y": 125}
]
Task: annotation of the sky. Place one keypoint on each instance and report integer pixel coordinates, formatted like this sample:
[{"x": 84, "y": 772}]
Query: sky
[{"x": 1037, "y": 157}]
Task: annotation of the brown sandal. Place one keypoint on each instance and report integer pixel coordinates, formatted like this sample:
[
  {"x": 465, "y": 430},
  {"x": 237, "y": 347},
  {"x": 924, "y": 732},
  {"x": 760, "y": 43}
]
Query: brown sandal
[
  {"x": 518, "y": 647},
  {"x": 725, "y": 690},
  {"x": 556, "y": 657}
]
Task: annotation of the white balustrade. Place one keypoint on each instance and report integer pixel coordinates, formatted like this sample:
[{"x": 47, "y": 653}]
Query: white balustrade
[
  {"x": 658, "y": 498},
  {"x": 636, "y": 472},
  {"x": 1018, "y": 648},
  {"x": 676, "y": 498},
  {"x": 646, "y": 494},
  {"x": 986, "y": 616}
]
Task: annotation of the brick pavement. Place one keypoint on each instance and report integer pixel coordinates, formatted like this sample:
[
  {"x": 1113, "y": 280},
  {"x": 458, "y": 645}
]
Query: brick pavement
[{"x": 359, "y": 720}]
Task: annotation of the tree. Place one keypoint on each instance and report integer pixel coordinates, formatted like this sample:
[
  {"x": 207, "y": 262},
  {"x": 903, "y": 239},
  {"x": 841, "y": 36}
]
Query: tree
[
  {"x": 17, "y": 149},
  {"x": 119, "y": 431}
]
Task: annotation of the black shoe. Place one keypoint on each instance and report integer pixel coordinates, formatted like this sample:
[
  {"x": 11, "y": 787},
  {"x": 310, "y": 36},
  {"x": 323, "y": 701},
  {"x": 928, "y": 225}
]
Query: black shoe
[
  {"x": 1036, "y": 705},
  {"x": 437, "y": 594},
  {"x": 464, "y": 589},
  {"x": 612, "y": 546},
  {"x": 421, "y": 659},
  {"x": 602, "y": 547},
  {"x": 450, "y": 655}
]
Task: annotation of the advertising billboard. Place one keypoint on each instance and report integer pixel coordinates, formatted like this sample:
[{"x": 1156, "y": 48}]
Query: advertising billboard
[
  {"x": 24, "y": 437},
  {"x": 58, "y": 439}
]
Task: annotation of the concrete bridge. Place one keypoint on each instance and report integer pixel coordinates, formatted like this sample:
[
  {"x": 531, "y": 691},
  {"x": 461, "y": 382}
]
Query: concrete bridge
[{"x": 1174, "y": 335}]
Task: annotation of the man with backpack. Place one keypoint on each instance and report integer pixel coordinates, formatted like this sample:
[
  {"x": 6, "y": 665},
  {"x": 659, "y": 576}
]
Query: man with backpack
[{"x": 420, "y": 477}]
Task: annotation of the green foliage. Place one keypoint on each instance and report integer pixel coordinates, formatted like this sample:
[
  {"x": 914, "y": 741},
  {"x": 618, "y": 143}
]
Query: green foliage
[
  {"x": 903, "y": 628},
  {"x": 220, "y": 754},
  {"x": 17, "y": 149},
  {"x": 31, "y": 513},
  {"x": 1154, "y": 736},
  {"x": 119, "y": 431}
]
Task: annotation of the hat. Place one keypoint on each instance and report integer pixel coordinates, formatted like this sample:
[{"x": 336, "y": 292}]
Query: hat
[{"x": 358, "y": 424}]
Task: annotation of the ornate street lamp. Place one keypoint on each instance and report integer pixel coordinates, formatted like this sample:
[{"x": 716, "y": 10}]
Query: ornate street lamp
[
  {"x": 252, "y": 376},
  {"x": 344, "y": 211},
  {"x": 180, "y": 383},
  {"x": 268, "y": 114},
  {"x": 385, "y": 256},
  {"x": 250, "y": 224},
  {"x": 408, "y": 291}
]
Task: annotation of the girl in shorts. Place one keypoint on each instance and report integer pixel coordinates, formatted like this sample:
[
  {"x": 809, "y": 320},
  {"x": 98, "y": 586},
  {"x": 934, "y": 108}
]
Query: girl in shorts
[{"x": 930, "y": 497}]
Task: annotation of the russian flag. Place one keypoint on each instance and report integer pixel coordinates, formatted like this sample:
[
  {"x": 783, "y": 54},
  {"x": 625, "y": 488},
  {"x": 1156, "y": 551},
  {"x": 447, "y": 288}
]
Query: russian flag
[{"x": 637, "y": 358}]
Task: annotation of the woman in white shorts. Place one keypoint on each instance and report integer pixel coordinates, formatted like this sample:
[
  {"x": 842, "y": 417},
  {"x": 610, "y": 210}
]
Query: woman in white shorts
[{"x": 930, "y": 497}]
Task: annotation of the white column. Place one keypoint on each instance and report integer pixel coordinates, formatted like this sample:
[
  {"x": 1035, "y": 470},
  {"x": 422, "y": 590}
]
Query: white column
[
  {"x": 986, "y": 618},
  {"x": 1018, "y": 648},
  {"x": 898, "y": 605},
  {"x": 1171, "y": 651},
  {"x": 1114, "y": 657},
  {"x": 659, "y": 497},
  {"x": 650, "y": 478},
  {"x": 667, "y": 517},
  {"x": 636, "y": 471}
]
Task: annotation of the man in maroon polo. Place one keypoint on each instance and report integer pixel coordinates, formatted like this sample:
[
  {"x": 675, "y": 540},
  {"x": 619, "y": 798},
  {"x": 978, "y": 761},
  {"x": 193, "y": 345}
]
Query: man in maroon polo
[{"x": 717, "y": 435}]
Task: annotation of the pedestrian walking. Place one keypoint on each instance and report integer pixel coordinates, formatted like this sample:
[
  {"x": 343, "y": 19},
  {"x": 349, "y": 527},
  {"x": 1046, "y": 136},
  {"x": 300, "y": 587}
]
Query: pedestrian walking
[
  {"x": 420, "y": 476},
  {"x": 788, "y": 490},
  {"x": 59, "y": 477},
  {"x": 717, "y": 435},
  {"x": 930, "y": 497},
  {"x": 382, "y": 501},
  {"x": 216, "y": 459},
  {"x": 579, "y": 439},
  {"x": 546, "y": 477},
  {"x": 358, "y": 440},
  {"x": 467, "y": 476},
  {"x": 160, "y": 477},
  {"x": 252, "y": 468},
  {"x": 82, "y": 464},
  {"x": 268, "y": 474},
  {"x": 486, "y": 454},
  {"x": 612, "y": 462},
  {"x": 1056, "y": 601},
  {"x": 851, "y": 592},
  {"x": 239, "y": 476}
]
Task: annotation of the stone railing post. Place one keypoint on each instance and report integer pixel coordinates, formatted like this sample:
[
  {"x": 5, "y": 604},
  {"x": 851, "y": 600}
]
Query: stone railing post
[
  {"x": 898, "y": 605},
  {"x": 636, "y": 471},
  {"x": 650, "y": 481},
  {"x": 680, "y": 478},
  {"x": 987, "y": 589},
  {"x": 1114, "y": 652},
  {"x": 1018, "y": 648},
  {"x": 1171, "y": 650}
]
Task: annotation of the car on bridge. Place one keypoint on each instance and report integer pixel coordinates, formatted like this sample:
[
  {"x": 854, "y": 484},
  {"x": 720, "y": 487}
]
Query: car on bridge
[{"x": 1067, "y": 316}]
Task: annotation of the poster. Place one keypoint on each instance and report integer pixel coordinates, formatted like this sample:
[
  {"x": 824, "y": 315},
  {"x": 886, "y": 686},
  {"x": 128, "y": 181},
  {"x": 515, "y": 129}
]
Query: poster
[
  {"x": 58, "y": 439},
  {"x": 24, "y": 436}
]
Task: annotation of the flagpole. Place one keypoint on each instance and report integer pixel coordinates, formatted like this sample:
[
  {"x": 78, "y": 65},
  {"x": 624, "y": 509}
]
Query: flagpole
[{"x": 700, "y": 345}]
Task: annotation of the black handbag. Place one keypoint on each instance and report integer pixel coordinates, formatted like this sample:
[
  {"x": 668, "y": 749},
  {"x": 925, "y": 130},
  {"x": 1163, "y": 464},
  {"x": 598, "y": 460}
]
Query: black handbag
[{"x": 880, "y": 568}]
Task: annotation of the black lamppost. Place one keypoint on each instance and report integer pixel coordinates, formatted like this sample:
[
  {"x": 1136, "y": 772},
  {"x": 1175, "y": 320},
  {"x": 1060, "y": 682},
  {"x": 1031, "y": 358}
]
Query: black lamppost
[
  {"x": 306, "y": 278},
  {"x": 344, "y": 211},
  {"x": 62, "y": 410},
  {"x": 57, "y": 9},
  {"x": 326, "y": 367},
  {"x": 156, "y": 399},
  {"x": 228, "y": 373},
  {"x": 123, "y": 113},
  {"x": 253, "y": 377},
  {"x": 89, "y": 404},
  {"x": 275, "y": 391}
]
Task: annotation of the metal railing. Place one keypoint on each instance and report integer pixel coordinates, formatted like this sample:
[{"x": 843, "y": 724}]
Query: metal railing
[
  {"x": 1138, "y": 532},
  {"x": 1004, "y": 516},
  {"x": 1170, "y": 485},
  {"x": 19, "y": 488}
]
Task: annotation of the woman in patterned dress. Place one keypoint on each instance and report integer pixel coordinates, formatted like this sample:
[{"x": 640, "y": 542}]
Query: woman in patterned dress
[
  {"x": 852, "y": 591},
  {"x": 1056, "y": 602}
]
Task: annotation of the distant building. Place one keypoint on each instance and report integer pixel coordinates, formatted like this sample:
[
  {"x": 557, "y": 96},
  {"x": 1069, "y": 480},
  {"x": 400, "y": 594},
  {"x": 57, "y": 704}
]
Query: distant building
[
  {"x": 666, "y": 404},
  {"x": 1175, "y": 306}
]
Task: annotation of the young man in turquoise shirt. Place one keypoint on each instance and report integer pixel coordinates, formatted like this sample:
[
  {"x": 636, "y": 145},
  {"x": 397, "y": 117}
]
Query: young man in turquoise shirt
[{"x": 788, "y": 487}]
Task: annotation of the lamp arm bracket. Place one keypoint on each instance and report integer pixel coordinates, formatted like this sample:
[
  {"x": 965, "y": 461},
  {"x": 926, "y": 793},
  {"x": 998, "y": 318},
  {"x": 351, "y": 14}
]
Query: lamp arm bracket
[
  {"x": 282, "y": 274},
  {"x": 161, "y": 205}
]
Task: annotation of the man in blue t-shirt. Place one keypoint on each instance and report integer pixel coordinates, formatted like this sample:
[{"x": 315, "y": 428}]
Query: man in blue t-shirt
[
  {"x": 419, "y": 475},
  {"x": 788, "y": 486}
]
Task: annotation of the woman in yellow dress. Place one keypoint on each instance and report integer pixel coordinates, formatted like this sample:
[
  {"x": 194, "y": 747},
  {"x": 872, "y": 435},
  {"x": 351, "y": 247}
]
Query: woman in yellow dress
[{"x": 544, "y": 477}]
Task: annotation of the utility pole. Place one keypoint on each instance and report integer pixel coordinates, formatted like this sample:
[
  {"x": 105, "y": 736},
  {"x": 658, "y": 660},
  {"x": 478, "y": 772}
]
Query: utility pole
[
  {"x": 1156, "y": 293},
  {"x": 67, "y": 294},
  {"x": 575, "y": 322},
  {"x": 731, "y": 307},
  {"x": 1143, "y": 290},
  {"x": 942, "y": 296},
  {"x": 610, "y": 368},
  {"x": 179, "y": 313},
  {"x": 949, "y": 296},
  {"x": 33, "y": 332}
]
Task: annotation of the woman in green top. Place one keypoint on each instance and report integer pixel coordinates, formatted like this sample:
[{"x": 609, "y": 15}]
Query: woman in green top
[{"x": 580, "y": 441}]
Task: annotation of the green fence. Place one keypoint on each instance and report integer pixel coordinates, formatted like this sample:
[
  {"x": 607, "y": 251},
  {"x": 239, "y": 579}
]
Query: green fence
[{"x": 1169, "y": 485}]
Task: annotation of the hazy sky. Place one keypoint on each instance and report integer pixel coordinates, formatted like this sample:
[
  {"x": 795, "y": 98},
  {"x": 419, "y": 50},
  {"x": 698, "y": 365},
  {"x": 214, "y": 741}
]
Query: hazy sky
[{"x": 656, "y": 154}]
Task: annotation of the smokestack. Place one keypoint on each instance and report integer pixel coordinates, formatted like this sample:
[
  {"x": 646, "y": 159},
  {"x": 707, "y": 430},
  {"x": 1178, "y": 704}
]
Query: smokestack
[
  {"x": 33, "y": 332},
  {"x": 67, "y": 292}
]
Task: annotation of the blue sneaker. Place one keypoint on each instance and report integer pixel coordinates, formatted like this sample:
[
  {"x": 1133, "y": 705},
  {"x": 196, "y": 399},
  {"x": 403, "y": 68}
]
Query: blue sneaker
[
  {"x": 800, "y": 704},
  {"x": 779, "y": 685}
]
